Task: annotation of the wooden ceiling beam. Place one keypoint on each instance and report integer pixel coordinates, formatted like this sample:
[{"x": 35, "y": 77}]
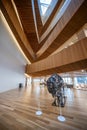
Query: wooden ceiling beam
[
  {"x": 37, "y": 19},
  {"x": 50, "y": 15},
  {"x": 70, "y": 59},
  {"x": 72, "y": 20},
  {"x": 26, "y": 10},
  {"x": 11, "y": 17}
]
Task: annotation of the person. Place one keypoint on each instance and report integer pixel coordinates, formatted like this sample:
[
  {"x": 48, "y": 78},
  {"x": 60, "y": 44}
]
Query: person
[{"x": 20, "y": 86}]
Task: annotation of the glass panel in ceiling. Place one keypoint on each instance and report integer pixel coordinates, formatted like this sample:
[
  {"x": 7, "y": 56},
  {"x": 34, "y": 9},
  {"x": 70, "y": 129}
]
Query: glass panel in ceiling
[{"x": 44, "y": 5}]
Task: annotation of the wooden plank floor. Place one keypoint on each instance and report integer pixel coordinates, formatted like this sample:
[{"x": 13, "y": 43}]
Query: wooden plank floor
[{"x": 17, "y": 110}]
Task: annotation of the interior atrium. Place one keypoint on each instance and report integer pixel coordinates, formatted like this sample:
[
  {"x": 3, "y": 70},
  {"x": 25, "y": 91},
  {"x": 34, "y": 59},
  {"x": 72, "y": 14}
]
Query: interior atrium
[{"x": 43, "y": 42}]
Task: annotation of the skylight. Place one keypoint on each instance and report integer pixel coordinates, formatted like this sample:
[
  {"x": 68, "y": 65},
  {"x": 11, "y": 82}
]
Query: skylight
[{"x": 44, "y": 5}]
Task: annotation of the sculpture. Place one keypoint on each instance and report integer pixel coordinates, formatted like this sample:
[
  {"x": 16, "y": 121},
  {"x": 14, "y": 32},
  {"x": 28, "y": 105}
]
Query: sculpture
[{"x": 55, "y": 86}]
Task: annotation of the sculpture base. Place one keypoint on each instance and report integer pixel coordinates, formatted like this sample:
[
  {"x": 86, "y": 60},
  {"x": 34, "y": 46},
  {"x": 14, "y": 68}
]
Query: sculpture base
[
  {"x": 39, "y": 113},
  {"x": 61, "y": 118}
]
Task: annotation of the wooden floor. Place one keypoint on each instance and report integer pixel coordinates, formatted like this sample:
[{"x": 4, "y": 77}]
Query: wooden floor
[{"x": 18, "y": 108}]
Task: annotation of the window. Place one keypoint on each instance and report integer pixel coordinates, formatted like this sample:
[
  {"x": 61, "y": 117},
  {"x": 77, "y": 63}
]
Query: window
[{"x": 44, "y": 5}]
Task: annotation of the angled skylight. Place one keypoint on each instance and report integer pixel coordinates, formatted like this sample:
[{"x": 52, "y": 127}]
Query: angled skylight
[{"x": 44, "y": 5}]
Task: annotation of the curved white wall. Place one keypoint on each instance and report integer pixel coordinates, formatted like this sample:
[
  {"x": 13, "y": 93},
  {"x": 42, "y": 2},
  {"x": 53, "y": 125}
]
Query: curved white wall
[{"x": 12, "y": 62}]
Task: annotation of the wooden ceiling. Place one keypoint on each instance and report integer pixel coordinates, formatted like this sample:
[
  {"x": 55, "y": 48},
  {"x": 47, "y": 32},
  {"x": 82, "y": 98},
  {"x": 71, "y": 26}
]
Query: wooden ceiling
[
  {"x": 37, "y": 40},
  {"x": 72, "y": 58}
]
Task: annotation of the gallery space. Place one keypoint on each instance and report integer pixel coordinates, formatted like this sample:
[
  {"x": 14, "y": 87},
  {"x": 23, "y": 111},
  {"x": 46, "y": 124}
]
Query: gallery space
[{"x": 43, "y": 64}]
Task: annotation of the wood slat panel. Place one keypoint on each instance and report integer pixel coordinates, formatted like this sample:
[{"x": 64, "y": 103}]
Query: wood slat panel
[
  {"x": 71, "y": 58},
  {"x": 69, "y": 24},
  {"x": 49, "y": 16},
  {"x": 11, "y": 17}
]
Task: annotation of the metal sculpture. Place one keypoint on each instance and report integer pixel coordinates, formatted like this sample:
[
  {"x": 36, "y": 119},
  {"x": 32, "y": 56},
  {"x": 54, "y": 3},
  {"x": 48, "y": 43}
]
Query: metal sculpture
[{"x": 55, "y": 86}]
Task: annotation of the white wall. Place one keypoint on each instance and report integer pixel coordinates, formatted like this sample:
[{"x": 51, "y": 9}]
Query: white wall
[{"x": 12, "y": 62}]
